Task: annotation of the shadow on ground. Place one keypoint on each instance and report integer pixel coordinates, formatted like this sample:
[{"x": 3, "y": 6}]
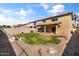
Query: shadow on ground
[
  {"x": 5, "y": 46},
  {"x": 72, "y": 48}
]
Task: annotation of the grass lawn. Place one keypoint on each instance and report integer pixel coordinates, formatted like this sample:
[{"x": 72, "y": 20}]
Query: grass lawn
[{"x": 36, "y": 38}]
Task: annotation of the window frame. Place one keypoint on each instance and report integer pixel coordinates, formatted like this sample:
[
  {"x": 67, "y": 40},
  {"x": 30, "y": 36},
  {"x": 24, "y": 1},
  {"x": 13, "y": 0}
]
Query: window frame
[{"x": 54, "y": 19}]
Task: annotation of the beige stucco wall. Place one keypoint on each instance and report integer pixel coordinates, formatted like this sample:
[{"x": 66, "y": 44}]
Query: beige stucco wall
[
  {"x": 41, "y": 22},
  {"x": 65, "y": 26},
  {"x": 48, "y": 21},
  {"x": 31, "y": 29}
]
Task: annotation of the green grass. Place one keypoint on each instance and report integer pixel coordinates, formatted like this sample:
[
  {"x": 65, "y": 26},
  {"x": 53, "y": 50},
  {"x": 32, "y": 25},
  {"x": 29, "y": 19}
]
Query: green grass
[
  {"x": 54, "y": 40},
  {"x": 36, "y": 38}
]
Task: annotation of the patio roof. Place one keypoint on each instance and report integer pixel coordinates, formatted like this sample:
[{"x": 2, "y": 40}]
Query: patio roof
[{"x": 52, "y": 23}]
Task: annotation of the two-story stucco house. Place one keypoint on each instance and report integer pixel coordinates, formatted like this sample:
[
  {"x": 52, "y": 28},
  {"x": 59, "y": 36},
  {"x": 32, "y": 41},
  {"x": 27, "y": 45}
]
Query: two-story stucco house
[{"x": 59, "y": 25}]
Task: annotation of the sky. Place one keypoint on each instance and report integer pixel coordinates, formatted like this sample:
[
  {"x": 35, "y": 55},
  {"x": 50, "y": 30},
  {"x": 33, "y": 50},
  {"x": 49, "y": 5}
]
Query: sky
[{"x": 20, "y": 13}]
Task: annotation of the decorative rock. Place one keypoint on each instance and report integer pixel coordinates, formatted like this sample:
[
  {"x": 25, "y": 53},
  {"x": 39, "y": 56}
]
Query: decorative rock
[
  {"x": 13, "y": 38},
  {"x": 16, "y": 38},
  {"x": 21, "y": 38},
  {"x": 52, "y": 51}
]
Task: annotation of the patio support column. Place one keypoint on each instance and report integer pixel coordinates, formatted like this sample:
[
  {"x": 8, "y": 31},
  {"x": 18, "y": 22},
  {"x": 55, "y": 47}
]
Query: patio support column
[{"x": 44, "y": 28}]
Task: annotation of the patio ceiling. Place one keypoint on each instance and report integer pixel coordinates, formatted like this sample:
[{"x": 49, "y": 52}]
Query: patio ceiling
[{"x": 52, "y": 23}]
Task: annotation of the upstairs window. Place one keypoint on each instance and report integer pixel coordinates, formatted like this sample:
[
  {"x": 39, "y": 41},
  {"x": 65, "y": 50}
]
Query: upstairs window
[
  {"x": 44, "y": 21},
  {"x": 34, "y": 23},
  {"x": 54, "y": 19}
]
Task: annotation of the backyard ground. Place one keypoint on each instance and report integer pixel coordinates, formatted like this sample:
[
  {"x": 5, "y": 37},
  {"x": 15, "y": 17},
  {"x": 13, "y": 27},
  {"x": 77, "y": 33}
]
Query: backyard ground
[
  {"x": 10, "y": 47},
  {"x": 27, "y": 49}
]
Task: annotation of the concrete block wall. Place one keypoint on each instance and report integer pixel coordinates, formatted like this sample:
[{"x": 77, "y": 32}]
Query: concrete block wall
[{"x": 17, "y": 30}]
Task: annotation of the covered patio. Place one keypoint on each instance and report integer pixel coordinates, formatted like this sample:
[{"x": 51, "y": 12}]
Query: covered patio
[{"x": 48, "y": 27}]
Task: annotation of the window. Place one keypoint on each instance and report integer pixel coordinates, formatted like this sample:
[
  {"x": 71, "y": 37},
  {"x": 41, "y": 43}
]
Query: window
[
  {"x": 54, "y": 19},
  {"x": 30, "y": 26},
  {"x": 34, "y": 23},
  {"x": 44, "y": 21},
  {"x": 34, "y": 26}
]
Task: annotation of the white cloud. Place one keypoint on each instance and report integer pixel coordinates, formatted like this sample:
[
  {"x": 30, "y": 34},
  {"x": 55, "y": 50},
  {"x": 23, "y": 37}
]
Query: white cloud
[
  {"x": 10, "y": 20},
  {"x": 23, "y": 12},
  {"x": 12, "y": 17},
  {"x": 22, "y": 17},
  {"x": 6, "y": 11},
  {"x": 2, "y": 19},
  {"x": 30, "y": 11},
  {"x": 57, "y": 9},
  {"x": 45, "y": 6}
]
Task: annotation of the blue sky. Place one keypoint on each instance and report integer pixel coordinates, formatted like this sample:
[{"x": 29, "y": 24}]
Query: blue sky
[{"x": 19, "y": 13}]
